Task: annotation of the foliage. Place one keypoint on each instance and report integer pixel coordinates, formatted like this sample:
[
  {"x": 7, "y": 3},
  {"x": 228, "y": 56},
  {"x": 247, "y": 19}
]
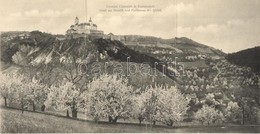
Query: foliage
[
  {"x": 165, "y": 104},
  {"x": 109, "y": 96},
  {"x": 9, "y": 85},
  {"x": 209, "y": 115},
  {"x": 63, "y": 97},
  {"x": 248, "y": 57},
  {"x": 37, "y": 93},
  {"x": 19, "y": 89},
  {"x": 233, "y": 112}
]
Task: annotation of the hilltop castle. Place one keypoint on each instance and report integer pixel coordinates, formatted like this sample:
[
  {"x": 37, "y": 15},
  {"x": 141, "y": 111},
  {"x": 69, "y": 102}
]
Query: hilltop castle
[{"x": 84, "y": 30}]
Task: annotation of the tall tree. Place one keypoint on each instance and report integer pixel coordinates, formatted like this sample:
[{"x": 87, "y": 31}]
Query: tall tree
[
  {"x": 162, "y": 103},
  {"x": 64, "y": 97},
  {"x": 8, "y": 84},
  {"x": 109, "y": 96},
  {"x": 209, "y": 115}
]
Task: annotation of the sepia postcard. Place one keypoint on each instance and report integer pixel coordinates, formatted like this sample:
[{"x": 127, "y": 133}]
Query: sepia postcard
[{"x": 129, "y": 66}]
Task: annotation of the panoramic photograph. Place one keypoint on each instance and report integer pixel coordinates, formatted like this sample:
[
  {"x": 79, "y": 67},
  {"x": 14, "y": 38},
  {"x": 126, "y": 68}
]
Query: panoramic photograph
[{"x": 129, "y": 66}]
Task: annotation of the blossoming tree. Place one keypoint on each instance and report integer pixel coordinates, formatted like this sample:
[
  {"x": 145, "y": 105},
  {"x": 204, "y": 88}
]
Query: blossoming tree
[
  {"x": 109, "y": 96},
  {"x": 64, "y": 97},
  {"x": 209, "y": 114},
  {"x": 162, "y": 103}
]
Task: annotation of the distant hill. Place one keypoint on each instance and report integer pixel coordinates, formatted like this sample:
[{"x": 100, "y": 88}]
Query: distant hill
[
  {"x": 248, "y": 57},
  {"x": 43, "y": 48},
  {"x": 179, "y": 45}
]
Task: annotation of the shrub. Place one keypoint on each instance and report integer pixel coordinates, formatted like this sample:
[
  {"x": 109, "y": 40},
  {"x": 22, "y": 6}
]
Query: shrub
[
  {"x": 233, "y": 112},
  {"x": 209, "y": 115}
]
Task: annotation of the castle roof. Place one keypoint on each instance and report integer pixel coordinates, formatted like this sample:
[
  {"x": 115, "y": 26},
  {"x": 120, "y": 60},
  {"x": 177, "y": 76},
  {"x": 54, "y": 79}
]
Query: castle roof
[
  {"x": 110, "y": 34},
  {"x": 88, "y": 24},
  {"x": 84, "y": 24}
]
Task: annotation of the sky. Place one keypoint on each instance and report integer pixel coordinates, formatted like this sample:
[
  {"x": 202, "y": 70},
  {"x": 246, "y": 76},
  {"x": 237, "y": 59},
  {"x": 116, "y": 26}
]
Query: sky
[{"x": 229, "y": 25}]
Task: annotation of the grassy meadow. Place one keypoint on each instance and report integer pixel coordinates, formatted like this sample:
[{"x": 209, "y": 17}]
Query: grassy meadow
[{"x": 14, "y": 121}]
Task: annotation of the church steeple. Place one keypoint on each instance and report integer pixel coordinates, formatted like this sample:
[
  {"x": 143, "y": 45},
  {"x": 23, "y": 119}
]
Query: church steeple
[
  {"x": 76, "y": 21},
  {"x": 90, "y": 20}
]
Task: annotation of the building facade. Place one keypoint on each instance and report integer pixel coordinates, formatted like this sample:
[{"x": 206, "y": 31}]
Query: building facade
[{"x": 84, "y": 30}]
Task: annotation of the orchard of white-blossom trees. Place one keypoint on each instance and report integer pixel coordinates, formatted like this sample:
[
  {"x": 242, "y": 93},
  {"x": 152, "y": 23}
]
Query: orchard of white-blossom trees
[
  {"x": 19, "y": 89},
  {"x": 106, "y": 96},
  {"x": 112, "y": 97}
]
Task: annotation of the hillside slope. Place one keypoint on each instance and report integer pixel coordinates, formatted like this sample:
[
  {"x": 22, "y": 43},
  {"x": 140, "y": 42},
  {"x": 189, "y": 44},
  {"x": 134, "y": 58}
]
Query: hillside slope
[
  {"x": 248, "y": 57},
  {"x": 42, "y": 51},
  {"x": 177, "y": 45}
]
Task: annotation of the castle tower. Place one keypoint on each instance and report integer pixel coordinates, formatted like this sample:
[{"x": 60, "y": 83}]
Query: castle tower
[
  {"x": 91, "y": 23},
  {"x": 76, "y": 21}
]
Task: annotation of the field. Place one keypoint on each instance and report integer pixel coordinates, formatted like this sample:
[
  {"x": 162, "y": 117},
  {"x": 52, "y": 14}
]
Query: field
[{"x": 14, "y": 121}]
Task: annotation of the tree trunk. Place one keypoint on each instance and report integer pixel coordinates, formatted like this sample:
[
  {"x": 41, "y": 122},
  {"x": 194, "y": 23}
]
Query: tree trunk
[
  {"x": 140, "y": 121},
  {"x": 169, "y": 123},
  {"x": 154, "y": 122},
  {"x": 43, "y": 108},
  {"x": 243, "y": 115},
  {"x": 68, "y": 115},
  {"x": 74, "y": 113},
  {"x": 115, "y": 120},
  {"x": 34, "y": 107},
  {"x": 22, "y": 106},
  {"x": 140, "y": 118},
  {"x": 96, "y": 118},
  {"x": 110, "y": 119},
  {"x": 5, "y": 101}
]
